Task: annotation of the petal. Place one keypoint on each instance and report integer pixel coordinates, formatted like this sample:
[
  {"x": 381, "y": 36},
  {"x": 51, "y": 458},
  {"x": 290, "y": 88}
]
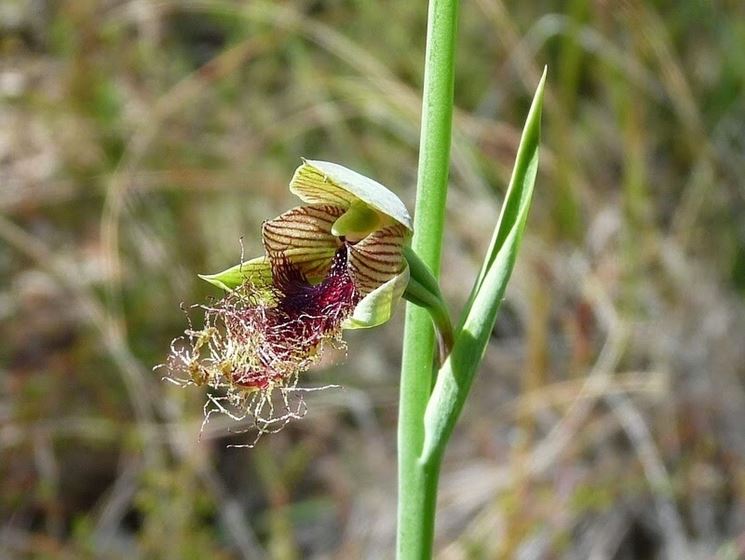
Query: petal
[
  {"x": 378, "y": 306},
  {"x": 303, "y": 237},
  {"x": 258, "y": 271},
  {"x": 358, "y": 222},
  {"x": 377, "y": 258},
  {"x": 325, "y": 182}
]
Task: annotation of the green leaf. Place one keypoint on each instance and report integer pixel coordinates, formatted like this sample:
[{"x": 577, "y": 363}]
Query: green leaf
[
  {"x": 456, "y": 375},
  {"x": 378, "y": 306},
  {"x": 519, "y": 193},
  {"x": 258, "y": 271}
]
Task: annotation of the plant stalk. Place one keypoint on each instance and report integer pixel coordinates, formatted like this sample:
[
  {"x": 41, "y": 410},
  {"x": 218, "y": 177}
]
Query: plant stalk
[{"x": 417, "y": 481}]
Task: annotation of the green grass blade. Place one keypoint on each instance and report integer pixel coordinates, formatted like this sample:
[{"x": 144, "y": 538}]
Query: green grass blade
[
  {"x": 456, "y": 375},
  {"x": 519, "y": 191}
]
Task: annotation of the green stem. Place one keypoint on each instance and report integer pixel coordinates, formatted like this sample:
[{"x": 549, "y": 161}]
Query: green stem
[
  {"x": 438, "y": 313},
  {"x": 424, "y": 290},
  {"x": 417, "y": 481}
]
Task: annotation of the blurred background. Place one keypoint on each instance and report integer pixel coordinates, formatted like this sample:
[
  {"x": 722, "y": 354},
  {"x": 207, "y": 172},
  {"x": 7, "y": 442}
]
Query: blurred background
[{"x": 139, "y": 141}]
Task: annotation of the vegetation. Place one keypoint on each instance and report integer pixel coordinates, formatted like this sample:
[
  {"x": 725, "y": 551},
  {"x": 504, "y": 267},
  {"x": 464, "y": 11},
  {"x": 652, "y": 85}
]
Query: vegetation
[{"x": 140, "y": 141}]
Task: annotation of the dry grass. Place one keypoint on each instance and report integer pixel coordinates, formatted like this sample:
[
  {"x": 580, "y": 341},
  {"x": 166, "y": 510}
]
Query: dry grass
[{"x": 140, "y": 140}]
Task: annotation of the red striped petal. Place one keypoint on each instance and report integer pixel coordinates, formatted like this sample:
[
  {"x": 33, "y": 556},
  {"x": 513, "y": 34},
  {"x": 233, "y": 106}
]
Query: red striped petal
[
  {"x": 377, "y": 258},
  {"x": 303, "y": 237}
]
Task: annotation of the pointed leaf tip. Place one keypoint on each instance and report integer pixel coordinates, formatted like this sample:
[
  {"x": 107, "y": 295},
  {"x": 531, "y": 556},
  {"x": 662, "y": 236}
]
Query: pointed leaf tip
[{"x": 457, "y": 373}]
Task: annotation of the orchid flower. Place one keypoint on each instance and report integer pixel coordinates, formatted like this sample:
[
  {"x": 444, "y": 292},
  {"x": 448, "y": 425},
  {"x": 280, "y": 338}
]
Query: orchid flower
[
  {"x": 349, "y": 218},
  {"x": 337, "y": 262}
]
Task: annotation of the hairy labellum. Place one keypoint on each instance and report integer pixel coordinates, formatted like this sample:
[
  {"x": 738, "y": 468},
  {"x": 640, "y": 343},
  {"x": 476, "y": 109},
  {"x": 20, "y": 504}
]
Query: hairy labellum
[
  {"x": 251, "y": 342},
  {"x": 291, "y": 333}
]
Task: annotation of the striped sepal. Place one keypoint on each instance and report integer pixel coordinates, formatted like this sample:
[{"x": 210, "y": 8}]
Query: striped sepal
[
  {"x": 314, "y": 186},
  {"x": 331, "y": 183},
  {"x": 303, "y": 236},
  {"x": 377, "y": 258}
]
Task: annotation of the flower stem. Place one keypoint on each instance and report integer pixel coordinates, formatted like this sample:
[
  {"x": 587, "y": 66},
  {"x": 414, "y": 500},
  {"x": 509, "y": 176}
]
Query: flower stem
[
  {"x": 417, "y": 481},
  {"x": 424, "y": 290}
]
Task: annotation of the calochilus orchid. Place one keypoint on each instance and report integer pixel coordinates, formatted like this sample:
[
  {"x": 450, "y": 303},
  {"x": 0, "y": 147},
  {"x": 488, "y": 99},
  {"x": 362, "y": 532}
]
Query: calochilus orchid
[{"x": 337, "y": 262}]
